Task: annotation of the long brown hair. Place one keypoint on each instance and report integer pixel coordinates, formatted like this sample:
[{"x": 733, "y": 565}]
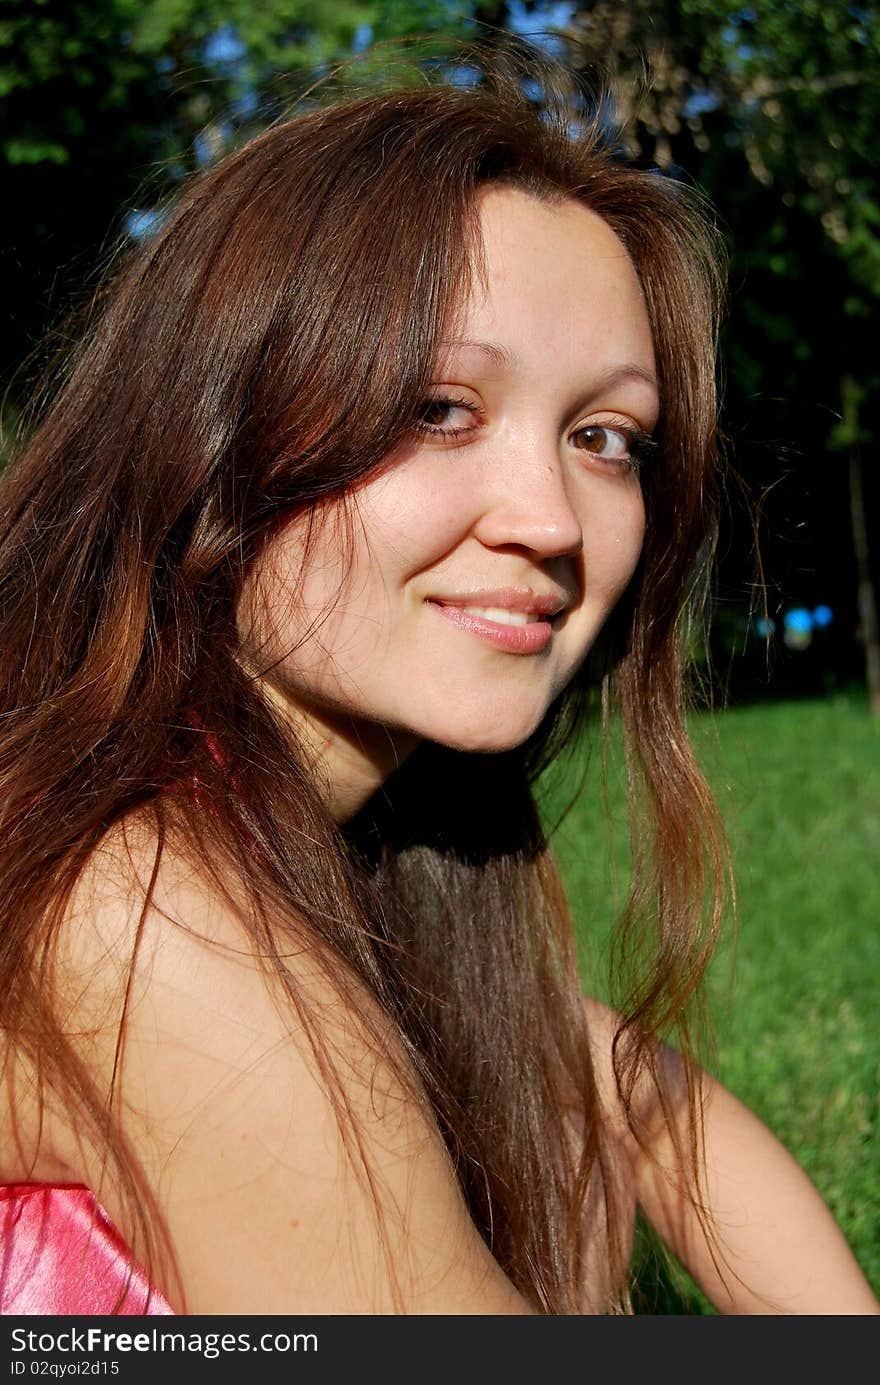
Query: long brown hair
[{"x": 268, "y": 348}]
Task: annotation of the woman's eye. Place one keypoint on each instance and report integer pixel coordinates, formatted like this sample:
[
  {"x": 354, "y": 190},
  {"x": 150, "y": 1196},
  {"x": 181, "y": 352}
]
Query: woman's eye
[
  {"x": 627, "y": 446},
  {"x": 448, "y": 417}
]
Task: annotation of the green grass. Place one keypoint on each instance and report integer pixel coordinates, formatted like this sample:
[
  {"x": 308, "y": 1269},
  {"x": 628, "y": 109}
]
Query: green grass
[{"x": 798, "y": 1038}]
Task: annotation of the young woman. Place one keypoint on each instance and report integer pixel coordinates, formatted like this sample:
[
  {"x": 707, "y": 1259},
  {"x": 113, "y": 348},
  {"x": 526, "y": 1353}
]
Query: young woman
[{"x": 387, "y": 456}]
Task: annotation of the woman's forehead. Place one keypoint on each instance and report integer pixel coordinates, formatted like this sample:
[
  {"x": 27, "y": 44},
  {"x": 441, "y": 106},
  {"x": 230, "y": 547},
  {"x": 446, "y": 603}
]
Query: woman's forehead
[{"x": 554, "y": 279}]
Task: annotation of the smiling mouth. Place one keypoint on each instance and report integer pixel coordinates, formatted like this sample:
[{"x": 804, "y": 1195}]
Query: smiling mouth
[
  {"x": 500, "y": 615},
  {"x": 524, "y": 631},
  {"x": 508, "y": 605}
]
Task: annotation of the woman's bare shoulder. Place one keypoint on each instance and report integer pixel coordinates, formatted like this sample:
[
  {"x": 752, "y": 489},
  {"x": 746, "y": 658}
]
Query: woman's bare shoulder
[
  {"x": 229, "y": 1093},
  {"x": 647, "y": 1108}
]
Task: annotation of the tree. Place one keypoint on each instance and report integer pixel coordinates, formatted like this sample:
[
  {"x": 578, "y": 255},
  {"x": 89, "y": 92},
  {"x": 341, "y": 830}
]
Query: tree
[{"x": 106, "y": 104}]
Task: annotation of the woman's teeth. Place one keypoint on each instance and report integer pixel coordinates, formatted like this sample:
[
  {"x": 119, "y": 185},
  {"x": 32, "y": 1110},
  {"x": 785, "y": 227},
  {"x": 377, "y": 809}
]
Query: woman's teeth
[{"x": 500, "y": 616}]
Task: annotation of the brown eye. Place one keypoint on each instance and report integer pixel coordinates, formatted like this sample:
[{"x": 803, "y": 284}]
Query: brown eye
[
  {"x": 611, "y": 444},
  {"x": 448, "y": 417},
  {"x": 434, "y": 413}
]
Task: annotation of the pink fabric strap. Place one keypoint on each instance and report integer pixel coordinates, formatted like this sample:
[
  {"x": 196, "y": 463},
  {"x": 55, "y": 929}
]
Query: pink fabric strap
[{"x": 61, "y": 1255}]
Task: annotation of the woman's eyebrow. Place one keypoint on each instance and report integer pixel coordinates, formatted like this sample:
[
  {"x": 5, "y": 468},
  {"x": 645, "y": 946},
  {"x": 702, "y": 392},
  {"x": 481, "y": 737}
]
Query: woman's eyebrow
[
  {"x": 620, "y": 374},
  {"x": 499, "y": 355}
]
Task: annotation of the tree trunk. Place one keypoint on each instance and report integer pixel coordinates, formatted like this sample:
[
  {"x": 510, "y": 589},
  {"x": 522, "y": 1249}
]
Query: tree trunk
[{"x": 869, "y": 627}]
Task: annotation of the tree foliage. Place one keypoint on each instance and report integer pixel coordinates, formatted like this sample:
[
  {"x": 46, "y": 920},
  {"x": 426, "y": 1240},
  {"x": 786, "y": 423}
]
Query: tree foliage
[
  {"x": 107, "y": 103},
  {"x": 773, "y": 109}
]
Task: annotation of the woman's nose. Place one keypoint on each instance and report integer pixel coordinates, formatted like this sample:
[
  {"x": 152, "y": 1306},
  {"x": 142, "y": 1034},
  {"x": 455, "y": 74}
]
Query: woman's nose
[{"x": 528, "y": 506}]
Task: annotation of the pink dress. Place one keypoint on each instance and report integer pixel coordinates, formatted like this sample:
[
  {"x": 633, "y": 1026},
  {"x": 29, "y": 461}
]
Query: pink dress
[{"x": 60, "y": 1255}]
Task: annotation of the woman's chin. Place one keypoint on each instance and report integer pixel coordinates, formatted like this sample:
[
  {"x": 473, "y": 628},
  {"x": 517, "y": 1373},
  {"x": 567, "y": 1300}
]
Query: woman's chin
[{"x": 487, "y": 739}]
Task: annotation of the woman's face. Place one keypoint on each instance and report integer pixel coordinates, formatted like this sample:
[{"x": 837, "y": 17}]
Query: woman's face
[{"x": 485, "y": 559}]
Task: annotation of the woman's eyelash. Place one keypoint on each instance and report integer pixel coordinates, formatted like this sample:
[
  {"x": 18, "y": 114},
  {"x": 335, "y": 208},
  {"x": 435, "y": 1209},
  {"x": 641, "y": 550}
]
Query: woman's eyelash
[
  {"x": 443, "y": 403},
  {"x": 640, "y": 447}
]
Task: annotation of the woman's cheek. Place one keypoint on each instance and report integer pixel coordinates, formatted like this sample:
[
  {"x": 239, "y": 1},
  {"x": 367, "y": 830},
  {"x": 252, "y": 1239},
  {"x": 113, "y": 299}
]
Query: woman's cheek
[
  {"x": 613, "y": 538},
  {"x": 418, "y": 525}
]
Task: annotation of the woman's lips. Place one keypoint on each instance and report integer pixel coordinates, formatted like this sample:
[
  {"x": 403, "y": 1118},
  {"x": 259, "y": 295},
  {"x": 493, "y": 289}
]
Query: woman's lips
[{"x": 515, "y": 631}]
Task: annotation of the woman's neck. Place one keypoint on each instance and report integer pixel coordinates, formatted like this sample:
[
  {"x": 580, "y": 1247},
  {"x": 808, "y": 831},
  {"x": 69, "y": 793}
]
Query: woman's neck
[{"x": 351, "y": 758}]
